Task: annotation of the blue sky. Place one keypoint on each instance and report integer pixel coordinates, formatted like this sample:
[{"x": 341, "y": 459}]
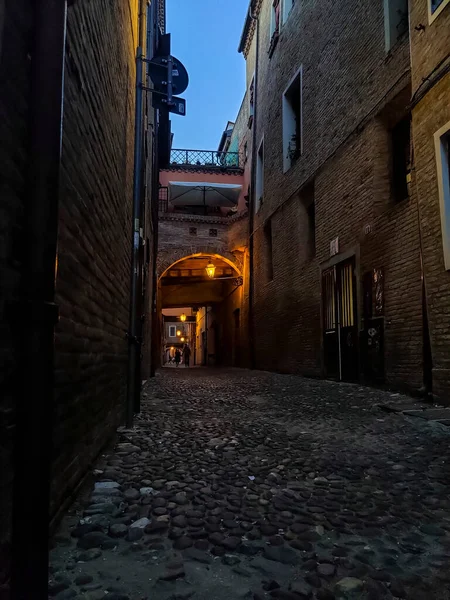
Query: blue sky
[{"x": 205, "y": 38}]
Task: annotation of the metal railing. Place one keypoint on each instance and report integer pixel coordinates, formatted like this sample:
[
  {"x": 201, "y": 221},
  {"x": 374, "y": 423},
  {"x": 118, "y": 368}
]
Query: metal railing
[{"x": 205, "y": 158}]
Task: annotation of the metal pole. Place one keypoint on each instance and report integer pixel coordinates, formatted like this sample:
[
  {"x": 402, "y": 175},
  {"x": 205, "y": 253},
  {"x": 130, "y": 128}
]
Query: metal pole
[
  {"x": 134, "y": 342},
  {"x": 35, "y": 402}
]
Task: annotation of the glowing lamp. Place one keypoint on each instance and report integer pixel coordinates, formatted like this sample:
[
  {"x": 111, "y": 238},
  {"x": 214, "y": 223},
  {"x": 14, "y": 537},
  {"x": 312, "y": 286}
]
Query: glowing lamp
[
  {"x": 178, "y": 333},
  {"x": 210, "y": 270},
  {"x": 183, "y": 317},
  {"x": 182, "y": 339}
]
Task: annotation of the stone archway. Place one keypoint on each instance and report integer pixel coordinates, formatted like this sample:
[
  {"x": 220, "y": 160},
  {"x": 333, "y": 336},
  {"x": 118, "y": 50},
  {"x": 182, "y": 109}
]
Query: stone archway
[{"x": 168, "y": 257}]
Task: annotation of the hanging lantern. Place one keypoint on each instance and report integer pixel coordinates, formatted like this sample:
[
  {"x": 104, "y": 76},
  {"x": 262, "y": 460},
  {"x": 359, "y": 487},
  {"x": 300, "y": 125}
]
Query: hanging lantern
[
  {"x": 182, "y": 339},
  {"x": 178, "y": 333},
  {"x": 183, "y": 318},
  {"x": 210, "y": 270}
]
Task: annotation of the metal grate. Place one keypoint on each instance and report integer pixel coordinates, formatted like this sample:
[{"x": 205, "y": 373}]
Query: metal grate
[
  {"x": 205, "y": 158},
  {"x": 163, "y": 199}
]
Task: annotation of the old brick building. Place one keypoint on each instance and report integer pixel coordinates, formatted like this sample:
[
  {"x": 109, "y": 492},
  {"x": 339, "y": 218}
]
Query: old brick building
[
  {"x": 336, "y": 261},
  {"x": 203, "y": 220},
  {"x": 430, "y": 60},
  {"x": 93, "y": 250}
]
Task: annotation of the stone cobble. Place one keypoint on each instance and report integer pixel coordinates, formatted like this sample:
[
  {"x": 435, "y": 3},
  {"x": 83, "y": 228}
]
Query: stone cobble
[{"x": 238, "y": 484}]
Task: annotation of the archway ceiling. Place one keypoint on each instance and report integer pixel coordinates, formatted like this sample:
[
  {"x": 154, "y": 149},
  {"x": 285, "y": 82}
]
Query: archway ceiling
[{"x": 195, "y": 267}]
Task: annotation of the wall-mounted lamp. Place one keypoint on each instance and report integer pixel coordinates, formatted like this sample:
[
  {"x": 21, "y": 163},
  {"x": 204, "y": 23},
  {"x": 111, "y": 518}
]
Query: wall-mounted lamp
[{"x": 210, "y": 270}]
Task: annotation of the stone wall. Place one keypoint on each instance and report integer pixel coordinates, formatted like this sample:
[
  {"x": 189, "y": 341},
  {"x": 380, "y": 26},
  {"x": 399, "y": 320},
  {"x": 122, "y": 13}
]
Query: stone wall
[
  {"x": 15, "y": 40},
  {"x": 94, "y": 235}
]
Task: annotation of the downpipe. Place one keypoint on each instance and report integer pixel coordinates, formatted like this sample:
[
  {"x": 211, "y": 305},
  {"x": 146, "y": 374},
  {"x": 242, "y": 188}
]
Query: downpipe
[{"x": 134, "y": 327}]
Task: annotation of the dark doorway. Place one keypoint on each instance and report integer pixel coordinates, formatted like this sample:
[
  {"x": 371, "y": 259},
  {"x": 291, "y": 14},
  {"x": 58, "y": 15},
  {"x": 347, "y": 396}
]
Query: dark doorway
[
  {"x": 237, "y": 338},
  {"x": 340, "y": 328},
  {"x": 205, "y": 349}
]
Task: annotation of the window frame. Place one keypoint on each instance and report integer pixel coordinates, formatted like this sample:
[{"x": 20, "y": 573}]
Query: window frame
[
  {"x": 172, "y": 328},
  {"x": 433, "y": 15},
  {"x": 259, "y": 187},
  {"x": 389, "y": 44},
  {"x": 274, "y": 30},
  {"x": 442, "y": 152},
  {"x": 251, "y": 103},
  {"x": 285, "y": 104},
  {"x": 286, "y": 12}
]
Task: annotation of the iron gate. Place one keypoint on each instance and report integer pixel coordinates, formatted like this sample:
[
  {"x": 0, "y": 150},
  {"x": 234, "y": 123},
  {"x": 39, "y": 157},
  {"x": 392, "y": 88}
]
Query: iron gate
[{"x": 340, "y": 329}]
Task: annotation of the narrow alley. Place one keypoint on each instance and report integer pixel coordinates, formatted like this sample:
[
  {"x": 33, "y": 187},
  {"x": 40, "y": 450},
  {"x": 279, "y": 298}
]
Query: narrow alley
[{"x": 247, "y": 484}]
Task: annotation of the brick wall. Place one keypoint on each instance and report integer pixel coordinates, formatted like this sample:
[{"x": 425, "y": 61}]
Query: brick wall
[
  {"x": 94, "y": 235},
  {"x": 352, "y": 94},
  {"x": 429, "y": 41},
  {"x": 15, "y": 39},
  {"x": 429, "y": 48}
]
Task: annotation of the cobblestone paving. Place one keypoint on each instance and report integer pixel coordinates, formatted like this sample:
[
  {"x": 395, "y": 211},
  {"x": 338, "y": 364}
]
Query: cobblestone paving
[{"x": 237, "y": 484}]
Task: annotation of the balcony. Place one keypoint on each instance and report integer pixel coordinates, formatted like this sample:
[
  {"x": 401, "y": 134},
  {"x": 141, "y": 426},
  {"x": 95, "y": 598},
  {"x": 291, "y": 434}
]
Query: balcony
[{"x": 205, "y": 160}]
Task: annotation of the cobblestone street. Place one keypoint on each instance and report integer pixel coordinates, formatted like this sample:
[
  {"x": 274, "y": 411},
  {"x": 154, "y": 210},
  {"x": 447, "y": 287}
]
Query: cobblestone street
[{"x": 237, "y": 484}]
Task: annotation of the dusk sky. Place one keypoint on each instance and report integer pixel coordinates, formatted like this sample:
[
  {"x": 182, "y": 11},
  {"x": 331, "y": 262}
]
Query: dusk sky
[{"x": 205, "y": 38}]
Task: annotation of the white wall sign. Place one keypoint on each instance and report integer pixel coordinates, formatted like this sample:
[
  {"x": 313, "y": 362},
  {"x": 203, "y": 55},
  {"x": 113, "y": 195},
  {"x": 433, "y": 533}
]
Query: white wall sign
[{"x": 334, "y": 247}]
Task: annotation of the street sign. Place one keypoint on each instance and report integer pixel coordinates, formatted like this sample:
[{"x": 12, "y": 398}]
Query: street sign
[
  {"x": 178, "y": 105},
  {"x": 157, "y": 70}
]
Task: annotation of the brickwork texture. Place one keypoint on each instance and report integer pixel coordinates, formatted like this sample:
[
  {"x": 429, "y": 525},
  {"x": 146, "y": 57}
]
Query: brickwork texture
[
  {"x": 353, "y": 92},
  {"x": 94, "y": 236}
]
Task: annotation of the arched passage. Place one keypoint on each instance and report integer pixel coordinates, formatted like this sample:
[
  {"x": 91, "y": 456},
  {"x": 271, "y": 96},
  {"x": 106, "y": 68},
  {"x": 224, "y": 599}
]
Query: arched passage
[{"x": 211, "y": 308}]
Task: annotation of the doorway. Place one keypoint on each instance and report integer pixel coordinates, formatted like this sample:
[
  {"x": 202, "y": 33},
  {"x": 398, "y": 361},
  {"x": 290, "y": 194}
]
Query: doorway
[
  {"x": 340, "y": 329},
  {"x": 236, "y": 337}
]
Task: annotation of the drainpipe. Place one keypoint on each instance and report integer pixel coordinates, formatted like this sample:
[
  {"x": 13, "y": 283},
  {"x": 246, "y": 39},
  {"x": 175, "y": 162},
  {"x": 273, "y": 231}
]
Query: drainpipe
[
  {"x": 134, "y": 327},
  {"x": 39, "y": 314},
  {"x": 155, "y": 318},
  {"x": 251, "y": 332}
]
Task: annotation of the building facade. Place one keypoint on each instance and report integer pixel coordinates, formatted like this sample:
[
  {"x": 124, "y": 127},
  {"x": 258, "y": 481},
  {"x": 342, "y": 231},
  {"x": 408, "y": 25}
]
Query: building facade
[
  {"x": 203, "y": 221},
  {"x": 430, "y": 101},
  {"x": 93, "y": 261},
  {"x": 336, "y": 240}
]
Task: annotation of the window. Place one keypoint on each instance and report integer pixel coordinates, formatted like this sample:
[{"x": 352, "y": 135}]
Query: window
[
  {"x": 251, "y": 100},
  {"x": 192, "y": 230},
  {"x": 268, "y": 250},
  {"x": 259, "y": 177},
  {"x": 172, "y": 331},
  {"x": 395, "y": 21},
  {"x": 274, "y": 25},
  {"x": 442, "y": 147},
  {"x": 213, "y": 233},
  {"x": 292, "y": 121},
  {"x": 245, "y": 153},
  {"x": 435, "y": 7},
  {"x": 287, "y": 7},
  {"x": 400, "y": 152}
]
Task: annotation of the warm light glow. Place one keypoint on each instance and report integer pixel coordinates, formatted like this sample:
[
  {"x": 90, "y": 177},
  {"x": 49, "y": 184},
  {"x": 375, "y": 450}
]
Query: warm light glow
[
  {"x": 178, "y": 333},
  {"x": 172, "y": 348},
  {"x": 182, "y": 339},
  {"x": 183, "y": 317},
  {"x": 210, "y": 270}
]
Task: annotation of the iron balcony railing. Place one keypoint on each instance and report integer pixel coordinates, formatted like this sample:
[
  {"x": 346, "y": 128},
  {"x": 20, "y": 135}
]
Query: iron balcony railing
[{"x": 205, "y": 158}]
